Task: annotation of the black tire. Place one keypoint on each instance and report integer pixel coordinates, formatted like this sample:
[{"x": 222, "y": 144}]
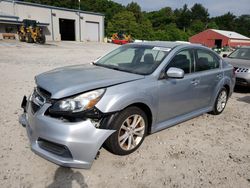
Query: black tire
[
  {"x": 113, "y": 145},
  {"x": 42, "y": 40},
  {"x": 21, "y": 38},
  {"x": 218, "y": 110},
  {"x": 28, "y": 38}
]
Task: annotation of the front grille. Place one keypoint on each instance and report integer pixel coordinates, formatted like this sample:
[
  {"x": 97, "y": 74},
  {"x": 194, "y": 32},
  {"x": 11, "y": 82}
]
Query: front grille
[
  {"x": 241, "y": 69},
  {"x": 44, "y": 93},
  {"x": 39, "y": 97},
  {"x": 54, "y": 148},
  {"x": 34, "y": 107}
]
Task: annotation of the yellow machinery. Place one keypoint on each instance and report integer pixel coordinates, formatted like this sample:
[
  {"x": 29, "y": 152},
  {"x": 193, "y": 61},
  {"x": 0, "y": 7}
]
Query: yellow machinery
[
  {"x": 121, "y": 38},
  {"x": 30, "y": 32}
]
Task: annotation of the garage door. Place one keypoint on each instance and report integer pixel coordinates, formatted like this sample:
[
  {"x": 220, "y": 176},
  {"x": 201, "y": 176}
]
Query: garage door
[
  {"x": 92, "y": 31},
  {"x": 67, "y": 29}
]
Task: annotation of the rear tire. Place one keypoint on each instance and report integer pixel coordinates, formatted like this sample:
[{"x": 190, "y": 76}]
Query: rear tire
[
  {"x": 220, "y": 102},
  {"x": 42, "y": 40},
  {"x": 131, "y": 127}
]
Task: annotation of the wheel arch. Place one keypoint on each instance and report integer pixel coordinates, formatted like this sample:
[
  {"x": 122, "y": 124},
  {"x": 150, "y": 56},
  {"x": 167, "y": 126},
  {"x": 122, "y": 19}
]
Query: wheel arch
[
  {"x": 145, "y": 108},
  {"x": 227, "y": 88},
  {"x": 223, "y": 83}
]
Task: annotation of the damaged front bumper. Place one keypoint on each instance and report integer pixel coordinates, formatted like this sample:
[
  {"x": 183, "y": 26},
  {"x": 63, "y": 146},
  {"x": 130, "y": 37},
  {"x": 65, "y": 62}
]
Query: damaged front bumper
[{"x": 69, "y": 144}]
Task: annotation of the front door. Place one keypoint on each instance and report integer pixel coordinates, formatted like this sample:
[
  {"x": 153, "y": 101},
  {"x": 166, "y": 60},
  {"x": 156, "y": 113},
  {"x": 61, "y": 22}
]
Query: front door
[{"x": 178, "y": 96}]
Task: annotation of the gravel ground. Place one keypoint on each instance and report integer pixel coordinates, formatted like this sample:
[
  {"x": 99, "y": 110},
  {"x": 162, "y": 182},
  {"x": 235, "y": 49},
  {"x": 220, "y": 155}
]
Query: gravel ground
[{"x": 208, "y": 151}]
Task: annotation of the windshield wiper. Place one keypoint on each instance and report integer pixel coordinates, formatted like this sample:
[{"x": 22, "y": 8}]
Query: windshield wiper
[
  {"x": 117, "y": 68},
  {"x": 108, "y": 66}
]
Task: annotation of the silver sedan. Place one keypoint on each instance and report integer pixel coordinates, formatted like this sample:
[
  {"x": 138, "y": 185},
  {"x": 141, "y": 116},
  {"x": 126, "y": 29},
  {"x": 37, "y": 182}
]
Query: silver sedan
[
  {"x": 240, "y": 59},
  {"x": 135, "y": 90}
]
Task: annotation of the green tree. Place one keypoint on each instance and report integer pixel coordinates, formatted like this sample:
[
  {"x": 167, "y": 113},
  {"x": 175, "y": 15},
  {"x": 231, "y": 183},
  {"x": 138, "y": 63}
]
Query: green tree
[
  {"x": 184, "y": 16},
  {"x": 123, "y": 21},
  {"x": 197, "y": 26},
  {"x": 145, "y": 29},
  {"x": 160, "y": 35},
  {"x": 226, "y": 21},
  {"x": 59, "y": 3},
  {"x": 136, "y": 9},
  {"x": 243, "y": 25},
  {"x": 199, "y": 13},
  {"x": 161, "y": 18},
  {"x": 175, "y": 33},
  {"x": 212, "y": 25}
]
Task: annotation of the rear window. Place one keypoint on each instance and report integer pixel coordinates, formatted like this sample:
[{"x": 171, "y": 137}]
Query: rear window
[{"x": 206, "y": 61}]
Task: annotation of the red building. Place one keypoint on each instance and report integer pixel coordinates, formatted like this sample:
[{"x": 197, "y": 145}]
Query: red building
[{"x": 220, "y": 38}]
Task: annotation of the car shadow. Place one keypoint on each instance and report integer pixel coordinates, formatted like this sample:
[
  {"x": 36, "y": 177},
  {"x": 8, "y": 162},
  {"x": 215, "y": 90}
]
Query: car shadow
[
  {"x": 241, "y": 89},
  {"x": 64, "y": 178},
  {"x": 244, "y": 99},
  {"x": 48, "y": 44}
]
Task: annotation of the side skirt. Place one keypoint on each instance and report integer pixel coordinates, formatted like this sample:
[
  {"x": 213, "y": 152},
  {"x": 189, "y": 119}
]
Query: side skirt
[{"x": 169, "y": 123}]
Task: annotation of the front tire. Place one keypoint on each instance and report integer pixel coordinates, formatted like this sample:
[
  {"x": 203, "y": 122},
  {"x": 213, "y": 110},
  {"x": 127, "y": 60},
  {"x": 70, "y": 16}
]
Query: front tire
[
  {"x": 131, "y": 127},
  {"x": 21, "y": 38},
  {"x": 28, "y": 38},
  {"x": 220, "y": 102}
]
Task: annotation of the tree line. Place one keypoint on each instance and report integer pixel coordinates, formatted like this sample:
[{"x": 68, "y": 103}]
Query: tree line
[{"x": 164, "y": 24}]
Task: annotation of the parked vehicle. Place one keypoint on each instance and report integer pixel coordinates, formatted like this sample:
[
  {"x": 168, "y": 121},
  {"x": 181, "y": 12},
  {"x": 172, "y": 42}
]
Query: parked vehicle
[
  {"x": 121, "y": 38},
  {"x": 135, "y": 90},
  {"x": 30, "y": 32},
  {"x": 240, "y": 59}
]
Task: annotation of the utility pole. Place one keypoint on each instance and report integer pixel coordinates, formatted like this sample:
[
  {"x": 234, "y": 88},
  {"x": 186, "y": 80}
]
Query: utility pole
[
  {"x": 79, "y": 8},
  {"x": 14, "y": 11}
]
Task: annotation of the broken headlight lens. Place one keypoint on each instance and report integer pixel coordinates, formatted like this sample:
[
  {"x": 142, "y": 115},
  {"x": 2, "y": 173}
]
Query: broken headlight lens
[{"x": 78, "y": 103}]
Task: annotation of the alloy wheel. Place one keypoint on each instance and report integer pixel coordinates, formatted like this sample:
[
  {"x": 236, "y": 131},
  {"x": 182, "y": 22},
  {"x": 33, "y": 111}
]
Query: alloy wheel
[
  {"x": 131, "y": 132},
  {"x": 222, "y": 100}
]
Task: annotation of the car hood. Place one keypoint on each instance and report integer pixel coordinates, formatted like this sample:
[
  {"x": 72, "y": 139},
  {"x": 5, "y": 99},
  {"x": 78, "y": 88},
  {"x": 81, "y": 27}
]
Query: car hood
[
  {"x": 238, "y": 62},
  {"x": 71, "y": 80}
]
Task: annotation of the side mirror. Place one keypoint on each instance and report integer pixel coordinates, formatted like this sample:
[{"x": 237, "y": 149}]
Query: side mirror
[
  {"x": 173, "y": 72},
  {"x": 224, "y": 55}
]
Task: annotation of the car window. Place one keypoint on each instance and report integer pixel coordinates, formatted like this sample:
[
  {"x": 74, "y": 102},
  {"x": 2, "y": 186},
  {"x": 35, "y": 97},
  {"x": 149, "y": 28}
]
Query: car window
[
  {"x": 157, "y": 55},
  {"x": 139, "y": 59},
  {"x": 241, "y": 53},
  {"x": 125, "y": 56},
  {"x": 182, "y": 60},
  {"x": 206, "y": 61}
]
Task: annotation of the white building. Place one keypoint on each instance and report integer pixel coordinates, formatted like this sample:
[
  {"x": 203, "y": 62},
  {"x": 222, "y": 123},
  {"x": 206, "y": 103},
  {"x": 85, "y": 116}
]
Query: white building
[{"x": 57, "y": 23}]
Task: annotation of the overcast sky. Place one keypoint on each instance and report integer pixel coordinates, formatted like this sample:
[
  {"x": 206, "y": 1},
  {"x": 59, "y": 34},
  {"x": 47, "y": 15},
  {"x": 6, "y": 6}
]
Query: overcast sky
[{"x": 215, "y": 7}]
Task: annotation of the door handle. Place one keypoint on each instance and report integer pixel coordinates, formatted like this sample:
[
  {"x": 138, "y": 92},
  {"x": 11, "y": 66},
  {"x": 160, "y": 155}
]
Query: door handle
[
  {"x": 219, "y": 76},
  {"x": 195, "y": 82}
]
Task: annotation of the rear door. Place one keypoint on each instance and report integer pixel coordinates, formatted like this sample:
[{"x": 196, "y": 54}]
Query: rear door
[{"x": 208, "y": 68}]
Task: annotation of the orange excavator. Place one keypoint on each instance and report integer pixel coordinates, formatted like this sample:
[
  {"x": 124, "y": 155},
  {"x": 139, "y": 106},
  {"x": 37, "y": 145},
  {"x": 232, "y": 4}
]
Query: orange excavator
[{"x": 121, "y": 38}]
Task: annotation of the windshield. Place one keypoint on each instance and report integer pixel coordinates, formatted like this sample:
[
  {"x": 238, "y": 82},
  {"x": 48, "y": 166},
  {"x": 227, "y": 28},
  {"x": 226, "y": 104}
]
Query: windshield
[
  {"x": 139, "y": 59},
  {"x": 241, "y": 53}
]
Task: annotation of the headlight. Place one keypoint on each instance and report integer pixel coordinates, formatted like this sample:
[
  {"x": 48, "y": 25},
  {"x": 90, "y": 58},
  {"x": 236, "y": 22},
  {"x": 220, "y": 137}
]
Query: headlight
[{"x": 78, "y": 103}]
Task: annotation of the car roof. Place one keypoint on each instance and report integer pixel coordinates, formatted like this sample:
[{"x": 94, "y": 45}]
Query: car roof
[
  {"x": 248, "y": 47},
  {"x": 166, "y": 44}
]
